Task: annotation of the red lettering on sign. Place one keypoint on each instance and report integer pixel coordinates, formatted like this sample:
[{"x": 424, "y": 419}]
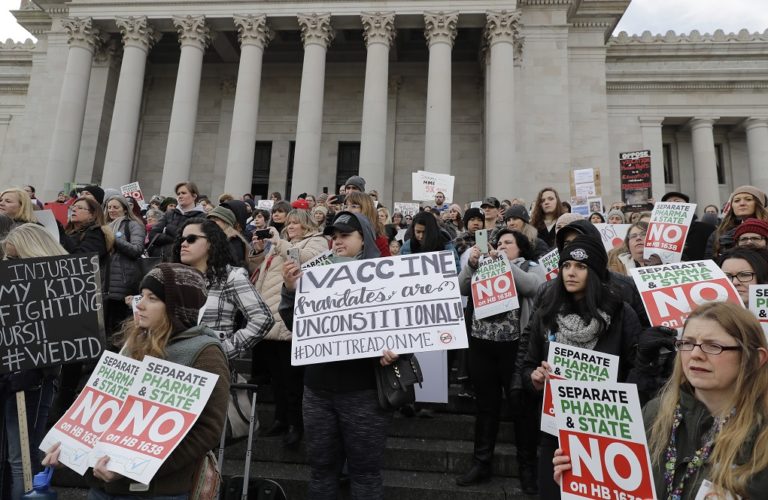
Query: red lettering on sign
[
  {"x": 92, "y": 412},
  {"x": 493, "y": 290}
]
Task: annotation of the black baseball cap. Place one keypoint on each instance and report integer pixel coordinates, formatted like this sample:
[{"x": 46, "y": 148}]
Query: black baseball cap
[
  {"x": 490, "y": 202},
  {"x": 344, "y": 222}
]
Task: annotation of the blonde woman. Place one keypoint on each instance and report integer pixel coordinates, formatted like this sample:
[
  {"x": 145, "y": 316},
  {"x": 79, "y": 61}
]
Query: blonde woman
[
  {"x": 361, "y": 203},
  {"x": 714, "y": 407},
  {"x": 383, "y": 215},
  {"x": 16, "y": 204}
]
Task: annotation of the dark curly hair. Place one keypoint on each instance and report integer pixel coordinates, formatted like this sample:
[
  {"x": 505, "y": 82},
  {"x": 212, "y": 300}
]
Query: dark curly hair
[
  {"x": 219, "y": 253},
  {"x": 523, "y": 243}
]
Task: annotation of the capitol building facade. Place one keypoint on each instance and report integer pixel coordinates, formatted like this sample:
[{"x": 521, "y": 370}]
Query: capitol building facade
[{"x": 296, "y": 96}]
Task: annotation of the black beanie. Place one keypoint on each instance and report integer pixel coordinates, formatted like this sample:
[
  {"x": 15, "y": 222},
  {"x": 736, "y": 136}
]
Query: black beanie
[
  {"x": 473, "y": 213},
  {"x": 182, "y": 289},
  {"x": 586, "y": 250},
  {"x": 97, "y": 193}
]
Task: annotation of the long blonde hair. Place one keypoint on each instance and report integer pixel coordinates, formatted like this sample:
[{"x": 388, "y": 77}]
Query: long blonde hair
[
  {"x": 730, "y": 221},
  {"x": 367, "y": 208},
  {"x": 26, "y": 210},
  {"x": 31, "y": 240},
  {"x": 749, "y": 398},
  {"x": 139, "y": 342}
]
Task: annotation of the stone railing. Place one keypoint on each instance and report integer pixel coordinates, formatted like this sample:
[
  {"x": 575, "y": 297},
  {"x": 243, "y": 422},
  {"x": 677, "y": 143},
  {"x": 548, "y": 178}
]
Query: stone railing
[
  {"x": 10, "y": 44},
  {"x": 694, "y": 36}
]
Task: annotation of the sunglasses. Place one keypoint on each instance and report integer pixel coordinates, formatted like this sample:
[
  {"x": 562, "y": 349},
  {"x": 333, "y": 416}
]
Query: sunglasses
[{"x": 192, "y": 238}]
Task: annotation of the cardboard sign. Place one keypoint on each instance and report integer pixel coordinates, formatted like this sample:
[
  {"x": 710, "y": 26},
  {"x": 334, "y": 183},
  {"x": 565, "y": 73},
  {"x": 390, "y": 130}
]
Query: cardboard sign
[
  {"x": 407, "y": 208},
  {"x": 163, "y": 404},
  {"x": 667, "y": 231},
  {"x": 93, "y": 411},
  {"x": 613, "y": 234},
  {"x": 48, "y": 219},
  {"x": 493, "y": 287},
  {"x": 635, "y": 172},
  {"x": 320, "y": 260},
  {"x": 671, "y": 291},
  {"x": 758, "y": 304},
  {"x": 265, "y": 204},
  {"x": 574, "y": 363},
  {"x": 50, "y": 311},
  {"x": 595, "y": 205},
  {"x": 550, "y": 261},
  {"x": 425, "y": 185},
  {"x": 60, "y": 211},
  {"x": 356, "y": 309},
  {"x": 133, "y": 190},
  {"x": 600, "y": 427}
]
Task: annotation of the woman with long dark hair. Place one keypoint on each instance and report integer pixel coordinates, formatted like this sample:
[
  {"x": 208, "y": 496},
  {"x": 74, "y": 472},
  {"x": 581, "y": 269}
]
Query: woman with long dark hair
[
  {"x": 425, "y": 235},
  {"x": 745, "y": 267},
  {"x": 580, "y": 309},
  {"x": 546, "y": 210},
  {"x": 746, "y": 202}
]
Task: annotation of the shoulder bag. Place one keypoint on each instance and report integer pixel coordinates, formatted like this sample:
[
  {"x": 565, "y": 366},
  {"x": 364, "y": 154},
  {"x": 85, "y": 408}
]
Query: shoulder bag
[{"x": 395, "y": 382}]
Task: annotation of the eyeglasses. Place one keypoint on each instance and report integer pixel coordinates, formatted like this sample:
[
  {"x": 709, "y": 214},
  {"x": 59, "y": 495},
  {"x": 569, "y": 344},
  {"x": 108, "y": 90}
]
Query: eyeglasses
[
  {"x": 78, "y": 207},
  {"x": 706, "y": 347},
  {"x": 632, "y": 236},
  {"x": 750, "y": 239},
  {"x": 192, "y": 238},
  {"x": 743, "y": 276}
]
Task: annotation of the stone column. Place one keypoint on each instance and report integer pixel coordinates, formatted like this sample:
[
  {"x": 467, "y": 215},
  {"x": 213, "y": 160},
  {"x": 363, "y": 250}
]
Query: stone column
[
  {"x": 138, "y": 39},
  {"x": 194, "y": 37},
  {"x": 501, "y": 172},
  {"x": 379, "y": 32},
  {"x": 650, "y": 128},
  {"x": 316, "y": 34},
  {"x": 254, "y": 35},
  {"x": 757, "y": 145},
  {"x": 68, "y": 128},
  {"x": 704, "y": 162},
  {"x": 441, "y": 28}
]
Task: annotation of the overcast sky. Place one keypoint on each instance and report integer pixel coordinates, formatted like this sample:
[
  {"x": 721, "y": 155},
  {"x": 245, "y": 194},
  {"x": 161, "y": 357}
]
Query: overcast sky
[{"x": 657, "y": 16}]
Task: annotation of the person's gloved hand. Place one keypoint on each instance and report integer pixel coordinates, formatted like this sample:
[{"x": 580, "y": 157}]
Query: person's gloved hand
[{"x": 653, "y": 343}]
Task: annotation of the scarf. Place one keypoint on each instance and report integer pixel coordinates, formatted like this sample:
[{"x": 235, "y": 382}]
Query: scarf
[
  {"x": 115, "y": 224},
  {"x": 572, "y": 330}
]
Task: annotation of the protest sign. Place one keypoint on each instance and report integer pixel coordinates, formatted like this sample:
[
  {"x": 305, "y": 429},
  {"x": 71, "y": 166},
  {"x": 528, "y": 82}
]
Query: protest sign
[
  {"x": 48, "y": 219},
  {"x": 758, "y": 304},
  {"x": 595, "y": 205},
  {"x": 133, "y": 190},
  {"x": 550, "y": 261},
  {"x": 60, "y": 211},
  {"x": 667, "y": 231},
  {"x": 50, "y": 311},
  {"x": 425, "y": 185},
  {"x": 163, "y": 403},
  {"x": 600, "y": 427},
  {"x": 434, "y": 368},
  {"x": 476, "y": 204},
  {"x": 265, "y": 204},
  {"x": 93, "y": 411},
  {"x": 585, "y": 183},
  {"x": 580, "y": 205},
  {"x": 319, "y": 260},
  {"x": 671, "y": 291},
  {"x": 613, "y": 234},
  {"x": 493, "y": 287},
  {"x": 407, "y": 208},
  {"x": 635, "y": 172},
  {"x": 574, "y": 363},
  {"x": 356, "y": 309}
]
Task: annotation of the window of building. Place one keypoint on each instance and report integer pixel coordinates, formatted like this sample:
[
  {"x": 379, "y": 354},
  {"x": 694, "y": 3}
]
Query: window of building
[
  {"x": 347, "y": 162},
  {"x": 669, "y": 174},
  {"x": 289, "y": 179},
  {"x": 719, "y": 163},
  {"x": 261, "y": 163}
]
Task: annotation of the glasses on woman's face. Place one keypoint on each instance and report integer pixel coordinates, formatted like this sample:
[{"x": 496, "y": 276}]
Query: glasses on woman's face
[
  {"x": 706, "y": 347},
  {"x": 750, "y": 240},
  {"x": 80, "y": 207},
  {"x": 743, "y": 276},
  {"x": 192, "y": 238},
  {"x": 634, "y": 236}
]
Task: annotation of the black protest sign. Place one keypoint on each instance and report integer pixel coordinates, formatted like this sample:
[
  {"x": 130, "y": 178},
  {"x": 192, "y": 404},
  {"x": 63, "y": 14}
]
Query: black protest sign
[{"x": 50, "y": 311}]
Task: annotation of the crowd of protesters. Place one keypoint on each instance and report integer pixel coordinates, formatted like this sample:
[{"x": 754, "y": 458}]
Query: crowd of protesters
[{"x": 227, "y": 281}]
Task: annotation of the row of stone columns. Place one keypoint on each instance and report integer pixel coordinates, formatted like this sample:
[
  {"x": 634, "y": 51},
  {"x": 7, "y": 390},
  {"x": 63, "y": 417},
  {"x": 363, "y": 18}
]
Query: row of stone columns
[{"x": 254, "y": 35}]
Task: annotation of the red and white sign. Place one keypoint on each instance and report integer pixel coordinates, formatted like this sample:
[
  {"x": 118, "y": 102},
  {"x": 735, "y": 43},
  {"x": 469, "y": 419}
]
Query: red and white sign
[
  {"x": 493, "y": 287},
  {"x": 667, "y": 231},
  {"x": 758, "y": 304},
  {"x": 551, "y": 264},
  {"x": 671, "y": 291},
  {"x": 93, "y": 411},
  {"x": 163, "y": 404},
  {"x": 613, "y": 234},
  {"x": 133, "y": 190},
  {"x": 425, "y": 185},
  {"x": 574, "y": 363},
  {"x": 600, "y": 428}
]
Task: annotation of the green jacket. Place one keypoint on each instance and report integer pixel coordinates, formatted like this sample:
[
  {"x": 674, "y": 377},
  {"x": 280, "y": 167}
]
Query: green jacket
[{"x": 696, "y": 422}]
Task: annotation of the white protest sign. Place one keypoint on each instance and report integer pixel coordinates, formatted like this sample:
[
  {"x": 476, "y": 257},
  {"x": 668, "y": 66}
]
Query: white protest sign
[
  {"x": 574, "y": 363},
  {"x": 434, "y": 367},
  {"x": 613, "y": 234},
  {"x": 48, "y": 220},
  {"x": 671, "y": 291},
  {"x": 550, "y": 261},
  {"x": 667, "y": 231},
  {"x": 163, "y": 404},
  {"x": 93, "y": 411},
  {"x": 133, "y": 190},
  {"x": 356, "y": 309},
  {"x": 407, "y": 208},
  {"x": 319, "y": 260},
  {"x": 584, "y": 176},
  {"x": 600, "y": 426},
  {"x": 265, "y": 204},
  {"x": 476, "y": 204},
  {"x": 758, "y": 304},
  {"x": 425, "y": 185},
  {"x": 400, "y": 236},
  {"x": 493, "y": 287}
]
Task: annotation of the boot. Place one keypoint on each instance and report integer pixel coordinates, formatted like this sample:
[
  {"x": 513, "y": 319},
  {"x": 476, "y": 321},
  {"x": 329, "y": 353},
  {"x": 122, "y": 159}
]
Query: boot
[
  {"x": 292, "y": 437},
  {"x": 479, "y": 473},
  {"x": 486, "y": 428},
  {"x": 528, "y": 479}
]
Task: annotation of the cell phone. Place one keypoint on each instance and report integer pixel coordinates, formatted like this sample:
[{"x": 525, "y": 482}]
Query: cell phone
[
  {"x": 294, "y": 255},
  {"x": 263, "y": 234},
  {"x": 481, "y": 239},
  {"x": 340, "y": 199},
  {"x": 325, "y": 190}
]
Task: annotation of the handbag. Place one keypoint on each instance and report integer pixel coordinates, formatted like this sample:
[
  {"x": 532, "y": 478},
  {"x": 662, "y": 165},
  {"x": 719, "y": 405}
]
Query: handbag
[
  {"x": 394, "y": 382},
  {"x": 239, "y": 409},
  {"x": 146, "y": 263},
  {"x": 207, "y": 480}
]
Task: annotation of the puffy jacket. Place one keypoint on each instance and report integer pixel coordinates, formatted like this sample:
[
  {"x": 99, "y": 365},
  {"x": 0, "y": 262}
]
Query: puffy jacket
[
  {"x": 164, "y": 233},
  {"x": 270, "y": 277},
  {"x": 695, "y": 423},
  {"x": 90, "y": 240},
  {"x": 124, "y": 274}
]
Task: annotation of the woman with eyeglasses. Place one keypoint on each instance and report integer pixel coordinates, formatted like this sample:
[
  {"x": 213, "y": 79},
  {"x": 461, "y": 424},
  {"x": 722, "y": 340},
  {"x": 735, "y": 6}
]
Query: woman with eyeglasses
[
  {"x": 711, "y": 420},
  {"x": 745, "y": 267},
  {"x": 630, "y": 254}
]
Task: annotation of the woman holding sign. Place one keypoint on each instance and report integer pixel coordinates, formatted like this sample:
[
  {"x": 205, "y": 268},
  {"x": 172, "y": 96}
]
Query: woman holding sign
[
  {"x": 166, "y": 327},
  {"x": 708, "y": 431},
  {"x": 580, "y": 309},
  {"x": 493, "y": 343},
  {"x": 26, "y": 241}
]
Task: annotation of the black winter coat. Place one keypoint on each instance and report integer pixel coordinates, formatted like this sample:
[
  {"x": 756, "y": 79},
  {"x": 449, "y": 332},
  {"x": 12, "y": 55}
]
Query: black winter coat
[
  {"x": 124, "y": 273},
  {"x": 164, "y": 233}
]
